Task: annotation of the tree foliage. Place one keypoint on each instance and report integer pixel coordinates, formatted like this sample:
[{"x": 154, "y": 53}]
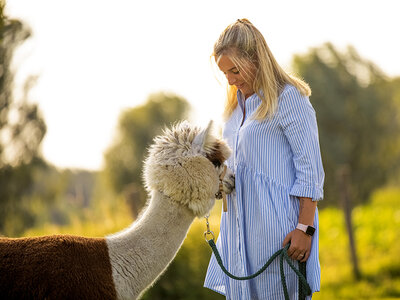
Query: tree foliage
[
  {"x": 137, "y": 127},
  {"x": 358, "y": 118},
  {"x": 21, "y": 127}
]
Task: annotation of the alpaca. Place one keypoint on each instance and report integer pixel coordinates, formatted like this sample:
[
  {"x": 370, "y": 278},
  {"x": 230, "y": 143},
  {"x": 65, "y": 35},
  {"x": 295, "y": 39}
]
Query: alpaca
[{"x": 181, "y": 174}]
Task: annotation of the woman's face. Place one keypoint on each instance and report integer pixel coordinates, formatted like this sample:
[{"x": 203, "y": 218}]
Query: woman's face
[{"x": 237, "y": 77}]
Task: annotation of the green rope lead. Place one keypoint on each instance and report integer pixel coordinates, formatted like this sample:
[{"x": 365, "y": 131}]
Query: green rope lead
[
  {"x": 304, "y": 288},
  {"x": 302, "y": 291}
]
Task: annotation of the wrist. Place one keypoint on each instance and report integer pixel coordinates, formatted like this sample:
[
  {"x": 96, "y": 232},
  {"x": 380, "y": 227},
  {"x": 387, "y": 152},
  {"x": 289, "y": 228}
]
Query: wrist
[{"x": 307, "y": 229}]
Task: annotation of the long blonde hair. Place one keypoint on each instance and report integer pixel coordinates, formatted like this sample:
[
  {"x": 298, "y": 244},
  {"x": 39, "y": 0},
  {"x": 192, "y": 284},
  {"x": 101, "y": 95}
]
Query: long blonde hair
[{"x": 244, "y": 44}]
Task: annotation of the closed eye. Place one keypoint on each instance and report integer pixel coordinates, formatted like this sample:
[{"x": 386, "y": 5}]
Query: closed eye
[{"x": 234, "y": 70}]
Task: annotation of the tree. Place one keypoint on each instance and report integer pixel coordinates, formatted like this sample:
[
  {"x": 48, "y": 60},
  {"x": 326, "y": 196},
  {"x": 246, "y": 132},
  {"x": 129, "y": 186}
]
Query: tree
[
  {"x": 137, "y": 127},
  {"x": 357, "y": 116},
  {"x": 21, "y": 128}
]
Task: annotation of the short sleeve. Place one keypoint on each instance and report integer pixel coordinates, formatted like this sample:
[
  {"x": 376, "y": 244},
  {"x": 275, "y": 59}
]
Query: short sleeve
[{"x": 298, "y": 121}]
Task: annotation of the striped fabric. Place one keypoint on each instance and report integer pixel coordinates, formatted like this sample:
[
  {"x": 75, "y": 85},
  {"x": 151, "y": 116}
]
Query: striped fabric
[{"x": 274, "y": 161}]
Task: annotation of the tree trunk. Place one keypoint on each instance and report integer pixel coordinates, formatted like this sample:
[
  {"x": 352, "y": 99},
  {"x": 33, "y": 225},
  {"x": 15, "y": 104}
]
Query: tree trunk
[{"x": 343, "y": 179}]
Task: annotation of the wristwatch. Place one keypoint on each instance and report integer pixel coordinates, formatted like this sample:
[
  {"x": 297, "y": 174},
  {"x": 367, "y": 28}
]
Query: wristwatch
[{"x": 306, "y": 229}]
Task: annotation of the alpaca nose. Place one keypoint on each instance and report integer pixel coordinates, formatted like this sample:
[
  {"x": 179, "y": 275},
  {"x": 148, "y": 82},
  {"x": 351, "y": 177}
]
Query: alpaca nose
[{"x": 228, "y": 182}]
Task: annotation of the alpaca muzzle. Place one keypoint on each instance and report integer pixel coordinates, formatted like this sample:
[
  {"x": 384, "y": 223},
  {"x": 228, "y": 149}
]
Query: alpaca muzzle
[{"x": 226, "y": 186}]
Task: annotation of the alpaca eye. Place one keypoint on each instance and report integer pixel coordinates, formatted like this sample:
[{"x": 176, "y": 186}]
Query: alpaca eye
[
  {"x": 214, "y": 159},
  {"x": 216, "y": 163}
]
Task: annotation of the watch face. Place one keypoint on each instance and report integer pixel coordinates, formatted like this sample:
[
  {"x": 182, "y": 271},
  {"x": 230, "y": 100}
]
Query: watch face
[{"x": 310, "y": 230}]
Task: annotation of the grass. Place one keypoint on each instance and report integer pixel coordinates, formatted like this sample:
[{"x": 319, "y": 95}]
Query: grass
[{"x": 377, "y": 235}]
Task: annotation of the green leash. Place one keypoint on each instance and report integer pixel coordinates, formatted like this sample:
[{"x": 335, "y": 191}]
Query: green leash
[{"x": 304, "y": 288}]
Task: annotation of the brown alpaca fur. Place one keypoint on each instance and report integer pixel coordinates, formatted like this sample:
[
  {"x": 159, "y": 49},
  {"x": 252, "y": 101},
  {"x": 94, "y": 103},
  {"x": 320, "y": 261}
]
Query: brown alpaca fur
[
  {"x": 55, "y": 267},
  {"x": 216, "y": 156}
]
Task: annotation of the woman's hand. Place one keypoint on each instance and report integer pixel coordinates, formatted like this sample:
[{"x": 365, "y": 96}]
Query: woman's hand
[
  {"x": 300, "y": 242},
  {"x": 300, "y": 245}
]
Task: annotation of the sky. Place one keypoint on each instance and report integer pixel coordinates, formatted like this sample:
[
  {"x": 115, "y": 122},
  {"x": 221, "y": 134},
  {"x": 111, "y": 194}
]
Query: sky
[{"x": 95, "y": 58}]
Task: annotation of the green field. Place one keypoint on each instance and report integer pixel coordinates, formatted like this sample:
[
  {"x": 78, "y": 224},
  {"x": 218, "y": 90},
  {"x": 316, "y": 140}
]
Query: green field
[{"x": 377, "y": 234}]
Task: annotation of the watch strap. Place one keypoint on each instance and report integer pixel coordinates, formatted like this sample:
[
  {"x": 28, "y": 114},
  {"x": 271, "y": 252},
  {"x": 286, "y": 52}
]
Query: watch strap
[{"x": 306, "y": 229}]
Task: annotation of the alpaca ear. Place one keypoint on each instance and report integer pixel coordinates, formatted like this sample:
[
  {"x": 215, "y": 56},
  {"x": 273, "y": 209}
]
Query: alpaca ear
[{"x": 205, "y": 138}]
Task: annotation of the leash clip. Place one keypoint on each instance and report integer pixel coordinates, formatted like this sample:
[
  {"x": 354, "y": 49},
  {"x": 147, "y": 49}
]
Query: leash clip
[{"x": 208, "y": 232}]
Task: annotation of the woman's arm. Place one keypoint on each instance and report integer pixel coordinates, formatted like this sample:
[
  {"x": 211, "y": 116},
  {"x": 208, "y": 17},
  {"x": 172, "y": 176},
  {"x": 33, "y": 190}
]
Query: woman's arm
[
  {"x": 299, "y": 124},
  {"x": 307, "y": 211}
]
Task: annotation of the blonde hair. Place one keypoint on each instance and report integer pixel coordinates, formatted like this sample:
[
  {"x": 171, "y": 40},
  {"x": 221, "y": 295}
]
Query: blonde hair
[{"x": 245, "y": 46}]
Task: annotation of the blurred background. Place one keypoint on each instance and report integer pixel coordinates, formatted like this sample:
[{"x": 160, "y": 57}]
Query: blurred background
[{"x": 86, "y": 85}]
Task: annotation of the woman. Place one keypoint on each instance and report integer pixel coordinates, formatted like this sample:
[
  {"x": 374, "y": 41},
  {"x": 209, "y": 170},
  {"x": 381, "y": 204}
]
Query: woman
[{"x": 272, "y": 130}]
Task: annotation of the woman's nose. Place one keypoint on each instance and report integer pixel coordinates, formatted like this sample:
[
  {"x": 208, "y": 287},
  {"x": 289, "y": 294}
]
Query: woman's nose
[{"x": 231, "y": 79}]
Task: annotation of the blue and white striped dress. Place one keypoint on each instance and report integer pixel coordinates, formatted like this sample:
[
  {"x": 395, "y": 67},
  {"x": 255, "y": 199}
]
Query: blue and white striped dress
[{"x": 275, "y": 161}]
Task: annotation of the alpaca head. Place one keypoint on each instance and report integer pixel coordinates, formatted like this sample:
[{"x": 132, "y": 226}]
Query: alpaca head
[{"x": 185, "y": 164}]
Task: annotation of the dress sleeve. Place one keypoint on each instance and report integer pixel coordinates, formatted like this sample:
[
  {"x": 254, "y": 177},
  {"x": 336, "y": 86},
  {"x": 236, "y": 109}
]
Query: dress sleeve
[{"x": 298, "y": 121}]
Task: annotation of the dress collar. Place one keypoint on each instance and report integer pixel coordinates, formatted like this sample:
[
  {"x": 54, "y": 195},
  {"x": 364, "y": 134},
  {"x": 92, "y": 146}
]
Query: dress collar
[{"x": 250, "y": 103}]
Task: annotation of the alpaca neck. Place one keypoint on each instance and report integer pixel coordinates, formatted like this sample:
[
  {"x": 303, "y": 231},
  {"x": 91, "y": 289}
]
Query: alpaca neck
[{"x": 143, "y": 251}]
